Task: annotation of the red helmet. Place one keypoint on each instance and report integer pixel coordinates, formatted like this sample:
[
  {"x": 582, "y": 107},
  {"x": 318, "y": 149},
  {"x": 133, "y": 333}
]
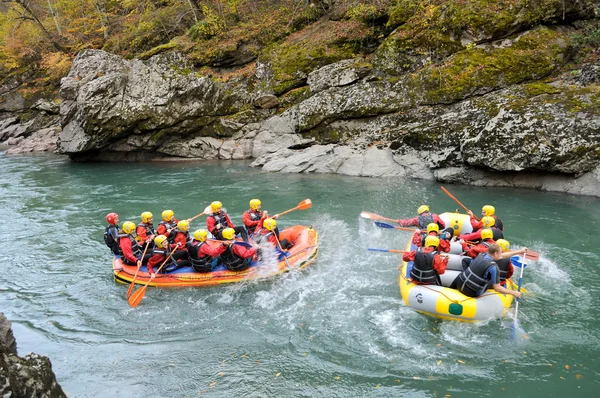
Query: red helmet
[{"x": 111, "y": 217}]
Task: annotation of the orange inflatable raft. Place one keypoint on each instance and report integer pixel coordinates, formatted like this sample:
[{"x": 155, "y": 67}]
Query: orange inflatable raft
[{"x": 302, "y": 254}]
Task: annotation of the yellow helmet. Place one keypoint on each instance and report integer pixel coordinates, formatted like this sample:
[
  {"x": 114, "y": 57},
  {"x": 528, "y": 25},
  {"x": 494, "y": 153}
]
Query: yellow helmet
[
  {"x": 167, "y": 215},
  {"x": 128, "y": 227},
  {"x": 146, "y": 216},
  {"x": 183, "y": 225},
  {"x": 216, "y": 206},
  {"x": 433, "y": 227},
  {"x": 228, "y": 233},
  {"x": 159, "y": 240},
  {"x": 488, "y": 210},
  {"x": 422, "y": 209},
  {"x": 200, "y": 235},
  {"x": 486, "y": 234},
  {"x": 504, "y": 244},
  {"x": 255, "y": 204},
  {"x": 432, "y": 241},
  {"x": 488, "y": 221},
  {"x": 269, "y": 224}
]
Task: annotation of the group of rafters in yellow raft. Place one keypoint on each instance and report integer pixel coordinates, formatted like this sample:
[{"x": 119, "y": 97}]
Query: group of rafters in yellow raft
[{"x": 466, "y": 288}]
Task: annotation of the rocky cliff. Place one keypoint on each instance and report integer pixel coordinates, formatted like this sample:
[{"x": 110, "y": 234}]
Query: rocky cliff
[
  {"x": 486, "y": 93},
  {"x": 29, "y": 376}
]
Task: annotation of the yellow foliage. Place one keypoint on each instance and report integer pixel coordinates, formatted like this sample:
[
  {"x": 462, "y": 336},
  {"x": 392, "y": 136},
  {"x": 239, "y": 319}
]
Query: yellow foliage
[{"x": 56, "y": 65}]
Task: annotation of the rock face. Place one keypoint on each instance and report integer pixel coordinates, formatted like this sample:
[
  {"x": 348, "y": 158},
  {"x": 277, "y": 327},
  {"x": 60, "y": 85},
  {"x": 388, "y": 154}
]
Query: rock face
[
  {"x": 30, "y": 376},
  {"x": 152, "y": 109},
  {"x": 26, "y": 124},
  {"x": 494, "y": 107}
]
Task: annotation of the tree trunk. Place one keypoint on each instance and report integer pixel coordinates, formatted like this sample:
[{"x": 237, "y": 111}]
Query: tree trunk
[
  {"x": 194, "y": 8},
  {"x": 55, "y": 18},
  {"x": 50, "y": 37}
]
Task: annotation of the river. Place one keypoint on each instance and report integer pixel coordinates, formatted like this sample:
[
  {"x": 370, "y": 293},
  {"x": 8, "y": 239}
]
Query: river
[{"x": 336, "y": 329}]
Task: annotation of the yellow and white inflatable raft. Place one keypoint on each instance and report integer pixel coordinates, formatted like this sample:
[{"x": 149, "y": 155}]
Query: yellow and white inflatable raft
[{"x": 446, "y": 303}]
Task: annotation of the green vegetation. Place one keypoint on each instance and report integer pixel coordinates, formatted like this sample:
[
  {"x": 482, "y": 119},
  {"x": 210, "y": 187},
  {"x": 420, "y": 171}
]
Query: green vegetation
[
  {"x": 533, "y": 56},
  {"x": 439, "y": 41}
]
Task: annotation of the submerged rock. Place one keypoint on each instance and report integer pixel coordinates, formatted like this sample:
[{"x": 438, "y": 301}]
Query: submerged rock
[{"x": 28, "y": 376}]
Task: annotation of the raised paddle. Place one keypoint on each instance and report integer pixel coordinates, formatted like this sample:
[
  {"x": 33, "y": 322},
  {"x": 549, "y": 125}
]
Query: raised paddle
[
  {"x": 305, "y": 204},
  {"x": 138, "y": 295},
  {"x": 385, "y": 225},
  {"x": 130, "y": 290},
  {"x": 373, "y": 216},
  {"x": 374, "y": 249},
  {"x": 208, "y": 210},
  {"x": 457, "y": 201}
]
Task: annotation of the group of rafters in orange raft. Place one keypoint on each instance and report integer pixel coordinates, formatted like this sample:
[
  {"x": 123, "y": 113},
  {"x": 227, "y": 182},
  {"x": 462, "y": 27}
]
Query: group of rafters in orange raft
[{"x": 171, "y": 256}]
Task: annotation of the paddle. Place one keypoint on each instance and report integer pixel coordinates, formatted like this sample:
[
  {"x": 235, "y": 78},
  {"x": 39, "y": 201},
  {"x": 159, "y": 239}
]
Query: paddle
[
  {"x": 385, "y": 225},
  {"x": 457, "y": 201},
  {"x": 136, "y": 298},
  {"x": 516, "y": 324},
  {"x": 130, "y": 290},
  {"x": 373, "y": 249},
  {"x": 305, "y": 204},
  {"x": 281, "y": 248},
  {"x": 208, "y": 210},
  {"x": 373, "y": 216}
]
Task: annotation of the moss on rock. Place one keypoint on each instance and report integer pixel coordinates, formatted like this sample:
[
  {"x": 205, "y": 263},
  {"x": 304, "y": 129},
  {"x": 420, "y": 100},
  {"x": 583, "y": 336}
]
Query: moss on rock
[{"x": 532, "y": 56}]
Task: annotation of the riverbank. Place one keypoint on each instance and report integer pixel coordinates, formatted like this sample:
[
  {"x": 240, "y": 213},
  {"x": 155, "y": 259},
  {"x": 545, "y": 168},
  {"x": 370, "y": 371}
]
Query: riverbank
[{"x": 455, "y": 99}]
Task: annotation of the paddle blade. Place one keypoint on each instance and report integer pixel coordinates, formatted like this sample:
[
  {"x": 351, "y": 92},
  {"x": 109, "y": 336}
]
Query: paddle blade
[
  {"x": 373, "y": 249},
  {"x": 137, "y": 296},
  {"x": 305, "y": 204},
  {"x": 369, "y": 216},
  {"x": 208, "y": 210},
  {"x": 383, "y": 225},
  {"x": 517, "y": 330},
  {"x": 130, "y": 290}
]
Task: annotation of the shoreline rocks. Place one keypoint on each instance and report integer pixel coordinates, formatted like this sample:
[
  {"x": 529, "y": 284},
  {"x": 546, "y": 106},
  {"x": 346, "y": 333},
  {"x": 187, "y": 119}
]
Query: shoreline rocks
[{"x": 28, "y": 376}]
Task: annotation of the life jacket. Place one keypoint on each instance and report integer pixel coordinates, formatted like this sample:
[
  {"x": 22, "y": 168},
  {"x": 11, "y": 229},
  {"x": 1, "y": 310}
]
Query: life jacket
[
  {"x": 186, "y": 233},
  {"x": 497, "y": 233},
  {"x": 195, "y": 258},
  {"x": 474, "y": 277},
  {"x": 232, "y": 261},
  {"x": 503, "y": 265},
  {"x": 424, "y": 219},
  {"x": 169, "y": 225},
  {"x": 149, "y": 228},
  {"x": 254, "y": 217},
  {"x": 165, "y": 253},
  {"x": 219, "y": 219},
  {"x": 136, "y": 249},
  {"x": 498, "y": 223},
  {"x": 422, "y": 270},
  {"x": 263, "y": 237},
  {"x": 109, "y": 238}
]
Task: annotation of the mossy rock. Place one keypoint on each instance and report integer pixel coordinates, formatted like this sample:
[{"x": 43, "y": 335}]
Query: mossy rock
[
  {"x": 533, "y": 56},
  {"x": 322, "y": 44}
]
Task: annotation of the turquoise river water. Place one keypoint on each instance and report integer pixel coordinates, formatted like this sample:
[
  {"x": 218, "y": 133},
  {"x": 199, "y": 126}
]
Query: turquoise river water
[{"x": 336, "y": 329}]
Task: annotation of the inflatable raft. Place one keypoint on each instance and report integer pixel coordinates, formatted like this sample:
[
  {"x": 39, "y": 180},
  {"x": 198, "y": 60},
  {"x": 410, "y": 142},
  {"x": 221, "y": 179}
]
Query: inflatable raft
[
  {"x": 301, "y": 255},
  {"x": 446, "y": 303}
]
